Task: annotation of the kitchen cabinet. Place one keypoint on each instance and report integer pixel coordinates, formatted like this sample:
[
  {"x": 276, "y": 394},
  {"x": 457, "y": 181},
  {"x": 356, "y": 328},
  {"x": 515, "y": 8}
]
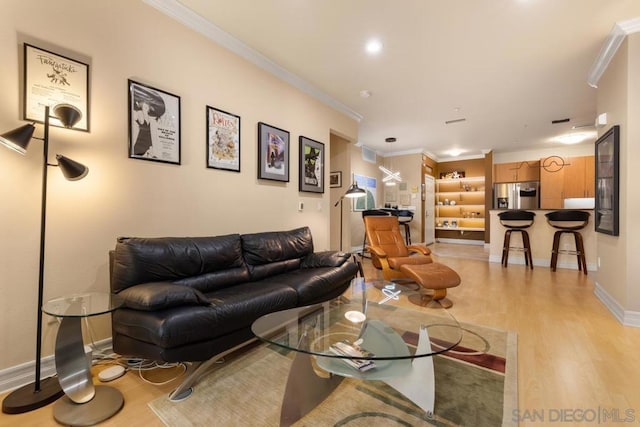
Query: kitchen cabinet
[
  {"x": 579, "y": 177},
  {"x": 516, "y": 171},
  {"x": 575, "y": 179},
  {"x": 551, "y": 189},
  {"x": 460, "y": 204}
]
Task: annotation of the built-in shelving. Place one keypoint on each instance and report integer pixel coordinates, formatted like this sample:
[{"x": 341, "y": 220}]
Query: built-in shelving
[{"x": 460, "y": 204}]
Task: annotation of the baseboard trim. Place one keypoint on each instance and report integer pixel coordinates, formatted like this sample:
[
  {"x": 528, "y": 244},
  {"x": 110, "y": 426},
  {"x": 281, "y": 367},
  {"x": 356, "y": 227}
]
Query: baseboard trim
[
  {"x": 19, "y": 375},
  {"x": 540, "y": 262},
  {"x": 461, "y": 241},
  {"x": 626, "y": 317}
]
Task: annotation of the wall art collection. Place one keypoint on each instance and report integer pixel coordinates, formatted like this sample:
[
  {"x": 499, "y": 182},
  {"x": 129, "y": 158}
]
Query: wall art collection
[{"x": 154, "y": 123}]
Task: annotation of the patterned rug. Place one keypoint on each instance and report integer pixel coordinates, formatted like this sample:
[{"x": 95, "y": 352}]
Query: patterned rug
[{"x": 476, "y": 385}]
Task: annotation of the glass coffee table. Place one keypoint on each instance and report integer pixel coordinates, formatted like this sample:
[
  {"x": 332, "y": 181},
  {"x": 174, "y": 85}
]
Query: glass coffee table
[{"x": 396, "y": 344}]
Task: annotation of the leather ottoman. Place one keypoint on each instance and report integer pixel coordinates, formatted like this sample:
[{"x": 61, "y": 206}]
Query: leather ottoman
[{"x": 434, "y": 276}]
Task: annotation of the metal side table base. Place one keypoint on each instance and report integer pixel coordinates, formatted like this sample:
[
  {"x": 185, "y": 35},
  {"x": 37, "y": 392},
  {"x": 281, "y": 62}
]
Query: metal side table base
[
  {"x": 419, "y": 384},
  {"x": 84, "y": 403},
  {"x": 106, "y": 402}
]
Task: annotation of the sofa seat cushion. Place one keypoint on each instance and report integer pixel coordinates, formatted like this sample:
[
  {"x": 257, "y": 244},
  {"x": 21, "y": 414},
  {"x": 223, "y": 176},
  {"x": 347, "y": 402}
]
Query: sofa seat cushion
[
  {"x": 231, "y": 309},
  {"x": 314, "y": 284},
  {"x": 160, "y": 295}
]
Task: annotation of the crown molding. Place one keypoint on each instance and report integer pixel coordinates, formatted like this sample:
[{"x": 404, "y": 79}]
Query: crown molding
[
  {"x": 617, "y": 35},
  {"x": 400, "y": 153},
  {"x": 192, "y": 20}
]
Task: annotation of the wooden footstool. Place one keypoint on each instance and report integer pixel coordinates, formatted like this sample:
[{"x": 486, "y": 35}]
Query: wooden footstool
[{"x": 435, "y": 276}]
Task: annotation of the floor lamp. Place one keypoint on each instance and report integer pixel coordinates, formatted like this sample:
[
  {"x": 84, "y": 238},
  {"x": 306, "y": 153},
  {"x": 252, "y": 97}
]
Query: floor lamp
[
  {"x": 40, "y": 393},
  {"x": 352, "y": 193}
]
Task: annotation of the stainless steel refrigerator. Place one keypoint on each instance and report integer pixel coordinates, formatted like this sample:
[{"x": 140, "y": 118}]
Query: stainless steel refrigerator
[{"x": 516, "y": 195}]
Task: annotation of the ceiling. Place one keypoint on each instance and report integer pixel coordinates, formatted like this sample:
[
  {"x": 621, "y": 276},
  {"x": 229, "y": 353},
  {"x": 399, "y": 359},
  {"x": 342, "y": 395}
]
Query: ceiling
[{"x": 509, "y": 67}]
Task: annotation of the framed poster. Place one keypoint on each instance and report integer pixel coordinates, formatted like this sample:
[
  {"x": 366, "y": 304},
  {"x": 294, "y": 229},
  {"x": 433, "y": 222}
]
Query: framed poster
[
  {"x": 370, "y": 185},
  {"x": 52, "y": 79},
  {"x": 273, "y": 153},
  {"x": 223, "y": 140},
  {"x": 335, "y": 179},
  {"x": 607, "y": 182},
  {"x": 311, "y": 165},
  {"x": 154, "y": 124}
]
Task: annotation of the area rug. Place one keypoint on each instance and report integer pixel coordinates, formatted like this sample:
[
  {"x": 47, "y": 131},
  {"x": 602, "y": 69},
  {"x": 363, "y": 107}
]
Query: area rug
[{"x": 476, "y": 385}]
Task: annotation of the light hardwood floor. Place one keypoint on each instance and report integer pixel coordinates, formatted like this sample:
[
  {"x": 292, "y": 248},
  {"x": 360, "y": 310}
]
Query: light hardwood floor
[{"x": 573, "y": 355}]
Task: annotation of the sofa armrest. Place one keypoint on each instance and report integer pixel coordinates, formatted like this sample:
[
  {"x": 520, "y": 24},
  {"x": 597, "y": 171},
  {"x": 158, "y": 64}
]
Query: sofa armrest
[
  {"x": 325, "y": 259},
  {"x": 160, "y": 295}
]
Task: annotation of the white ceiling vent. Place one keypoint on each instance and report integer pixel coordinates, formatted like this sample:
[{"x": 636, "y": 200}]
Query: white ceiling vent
[{"x": 368, "y": 155}]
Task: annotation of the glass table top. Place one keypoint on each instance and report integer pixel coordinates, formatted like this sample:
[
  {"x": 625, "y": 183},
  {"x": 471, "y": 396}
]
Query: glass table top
[
  {"x": 83, "y": 305},
  {"x": 368, "y": 316}
]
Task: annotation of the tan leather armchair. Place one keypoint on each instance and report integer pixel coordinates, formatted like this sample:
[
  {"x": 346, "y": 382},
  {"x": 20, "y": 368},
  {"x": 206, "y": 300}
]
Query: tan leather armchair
[
  {"x": 388, "y": 248},
  {"x": 413, "y": 263}
]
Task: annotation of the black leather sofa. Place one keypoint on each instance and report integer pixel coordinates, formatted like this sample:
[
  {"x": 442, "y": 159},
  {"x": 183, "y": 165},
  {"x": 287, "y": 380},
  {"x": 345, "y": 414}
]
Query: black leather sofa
[{"x": 193, "y": 299}]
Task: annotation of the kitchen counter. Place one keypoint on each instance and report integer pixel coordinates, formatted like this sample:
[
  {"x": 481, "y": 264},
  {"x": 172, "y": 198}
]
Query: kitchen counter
[{"x": 541, "y": 237}]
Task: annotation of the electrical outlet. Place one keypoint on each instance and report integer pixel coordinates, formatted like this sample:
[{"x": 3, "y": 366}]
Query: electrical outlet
[{"x": 598, "y": 262}]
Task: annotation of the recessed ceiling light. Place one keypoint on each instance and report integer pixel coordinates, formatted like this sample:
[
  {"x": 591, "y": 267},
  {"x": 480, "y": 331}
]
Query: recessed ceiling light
[
  {"x": 455, "y": 152},
  {"x": 365, "y": 93},
  {"x": 373, "y": 47},
  {"x": 574, "y": 138}
]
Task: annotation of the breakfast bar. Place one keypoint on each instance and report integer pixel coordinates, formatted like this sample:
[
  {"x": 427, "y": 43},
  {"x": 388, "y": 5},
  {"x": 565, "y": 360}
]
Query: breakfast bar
[{"x": 541, "y": 237}]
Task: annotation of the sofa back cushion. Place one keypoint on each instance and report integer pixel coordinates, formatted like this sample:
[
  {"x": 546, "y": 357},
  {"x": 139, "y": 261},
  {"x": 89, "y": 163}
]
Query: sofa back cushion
[
  {"x": 271, "y": 253},
  {"x": 204, "y": 263}
]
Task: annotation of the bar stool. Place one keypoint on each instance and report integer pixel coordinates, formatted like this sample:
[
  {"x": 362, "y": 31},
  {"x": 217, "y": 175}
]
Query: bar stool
[
  {"x": 516, "y": 220},
  {"x": 568, "y": 222},
  {"x": 404, "y": 218}
]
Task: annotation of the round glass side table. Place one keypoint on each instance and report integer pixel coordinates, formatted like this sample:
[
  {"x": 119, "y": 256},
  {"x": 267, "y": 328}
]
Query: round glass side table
[{"x": 84, "y": 403}]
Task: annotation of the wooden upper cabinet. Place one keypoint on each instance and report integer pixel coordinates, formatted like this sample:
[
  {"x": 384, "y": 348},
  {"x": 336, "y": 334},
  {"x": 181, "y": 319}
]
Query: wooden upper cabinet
[
  {"x": 516, "y": 171},
  {"x": 576, "y": 179},
  {"x": 579, "y": 177},
  {"x": 504, "y": 172},
  {"x": 551, "y": 189},
  {"x": 590, "y": 176}
]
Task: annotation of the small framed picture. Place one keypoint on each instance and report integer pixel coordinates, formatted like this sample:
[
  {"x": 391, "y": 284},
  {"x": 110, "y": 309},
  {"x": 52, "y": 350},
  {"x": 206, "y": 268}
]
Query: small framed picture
[
  {"x": 335, "y": 179},
  {"x": 273, "y": 153},
  {"x": 311, "y": 166},
  {"x": 52, "y": 79},
  {"x": 223, "y": 140},
  {"x": 154, "y": 124}
]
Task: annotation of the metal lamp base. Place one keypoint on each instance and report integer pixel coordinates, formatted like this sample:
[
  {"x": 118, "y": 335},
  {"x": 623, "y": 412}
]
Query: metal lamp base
[
  {"x": 107, "y": 402},
  {"x": 25, "y": 399}
]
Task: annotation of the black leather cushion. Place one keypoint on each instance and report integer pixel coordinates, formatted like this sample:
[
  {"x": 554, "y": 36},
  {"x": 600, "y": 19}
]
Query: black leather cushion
[
  {"x": 160, "y": 295},
  {"x": 230, "y": 310},
  {"x": 325, "y": 259},
  {"x": 169, "y": 259},
  {"x": 314, "y": 284},
  {"x": 272, "y": 253}
]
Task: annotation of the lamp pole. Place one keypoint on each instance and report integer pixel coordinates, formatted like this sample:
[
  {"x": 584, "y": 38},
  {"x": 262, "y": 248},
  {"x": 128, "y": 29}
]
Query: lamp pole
[
  {"x": 42, "y": 392},
  {"x": 43, "y": 224}
]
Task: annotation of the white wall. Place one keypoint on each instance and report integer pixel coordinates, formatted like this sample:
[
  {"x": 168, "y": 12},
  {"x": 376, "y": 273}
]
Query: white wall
[{"x": 126, "y": 197}]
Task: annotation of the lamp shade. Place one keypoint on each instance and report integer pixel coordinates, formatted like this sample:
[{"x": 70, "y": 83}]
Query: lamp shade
[
  {"x": 18, "y": 139},
  {"x": 355, "y": 191},
  {"x": 67, "y": 114},
  {"x": 71, "y": 169}
]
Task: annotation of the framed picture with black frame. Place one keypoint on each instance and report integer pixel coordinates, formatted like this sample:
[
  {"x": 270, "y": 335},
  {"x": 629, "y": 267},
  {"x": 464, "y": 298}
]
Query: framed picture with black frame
[
  {"x": 311, "y": 166},
  {"x": 52, "y": 79},
  {"x": 154, "y": 124},
  {"x": 335, "y": 179},
  {"x": 607, "y": 160},
  {"x": 273, "y": 153},
  {"x": 223, "y": 140}
]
